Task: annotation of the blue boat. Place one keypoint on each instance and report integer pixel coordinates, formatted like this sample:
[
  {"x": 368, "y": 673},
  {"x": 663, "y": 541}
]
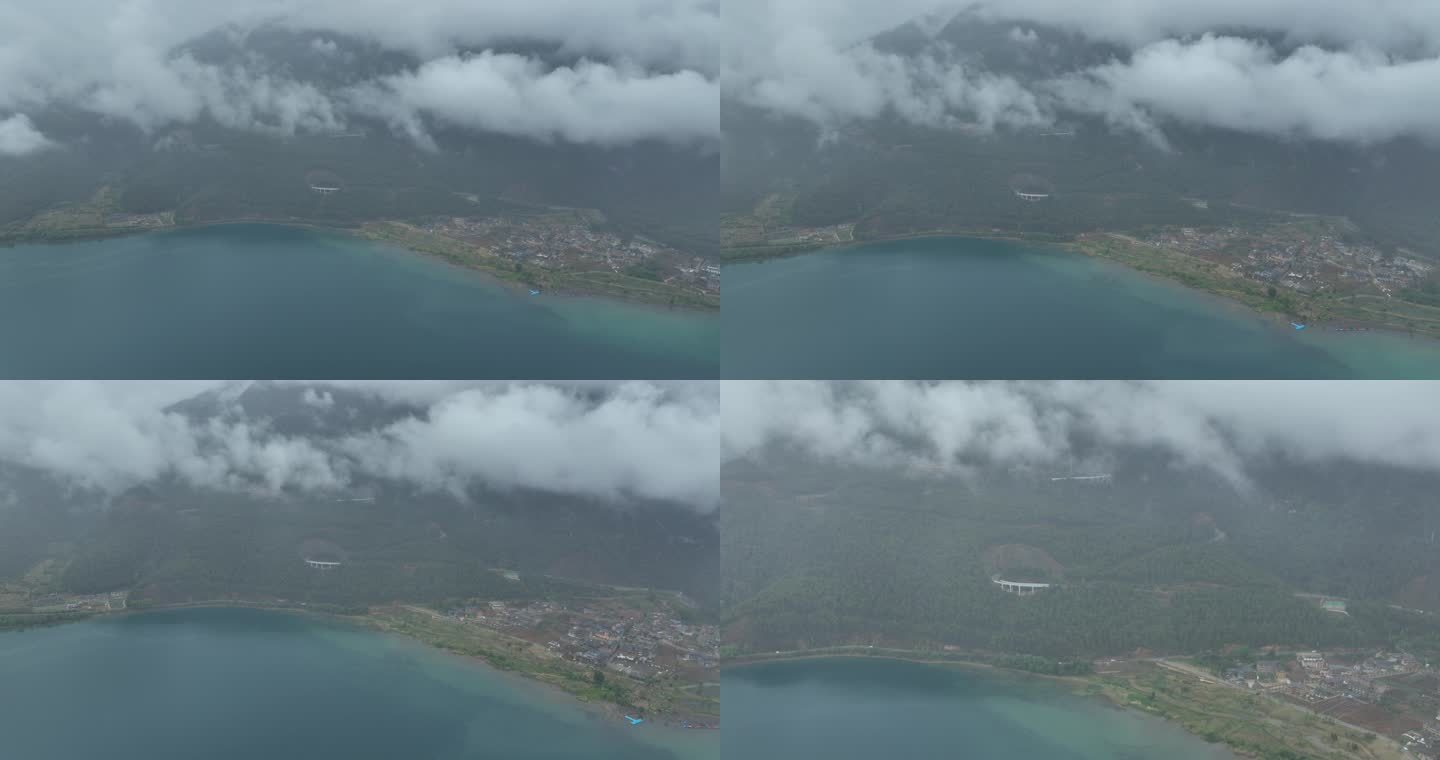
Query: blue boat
[
  {"x": 1297, "y": 325},
  {"x": 534, "y": 292},
  {"x": 634, "y": 721}
]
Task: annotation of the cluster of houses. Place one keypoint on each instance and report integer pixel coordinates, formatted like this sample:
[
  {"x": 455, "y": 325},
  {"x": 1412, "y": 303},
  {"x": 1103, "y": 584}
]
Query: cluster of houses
[
  {"x": 577, "y": 246},
  {"x": 837, "y": 233},
  {"x": 1311, "y": 677},
  {"x": 508, "y": 618},
  {"x": 115, "y": 600},
  {"x": 640, "y": 647},
  {"x": 626, "y": 641},
  {"x": 1294, "y": 258}
]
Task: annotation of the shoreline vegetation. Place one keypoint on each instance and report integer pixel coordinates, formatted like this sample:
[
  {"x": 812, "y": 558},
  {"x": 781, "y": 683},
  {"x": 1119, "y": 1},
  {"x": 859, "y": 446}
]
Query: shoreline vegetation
[
  {"x": 602, "y": 284},
  {"x": 88, "y": 224},
  {"x": 1249, "y": 724},
  {"x": 1350, "y": 313},
  {"x": 666, "y": 702}
]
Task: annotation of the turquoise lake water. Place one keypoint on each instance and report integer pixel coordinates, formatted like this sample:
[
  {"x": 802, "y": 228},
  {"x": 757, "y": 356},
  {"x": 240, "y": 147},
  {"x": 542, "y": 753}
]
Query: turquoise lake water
[
  {"x": 859, "y": 709},
  {"x": 241, "y": 684},
  {"x": 959, "y": 308},
  {"x": 264, "y": 301}
]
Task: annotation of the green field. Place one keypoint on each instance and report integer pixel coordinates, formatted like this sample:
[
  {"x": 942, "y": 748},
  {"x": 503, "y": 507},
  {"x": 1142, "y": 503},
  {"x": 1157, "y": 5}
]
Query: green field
[{"x": 1253, "y": 725}]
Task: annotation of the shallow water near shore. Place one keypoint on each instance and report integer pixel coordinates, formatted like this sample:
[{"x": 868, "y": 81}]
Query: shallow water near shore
[
  {"x": 859, "y": 708},
  {"x": 233, "y": 683},
  {"x": 970, "y": 308},
  {"x": 253, "y": 300}
]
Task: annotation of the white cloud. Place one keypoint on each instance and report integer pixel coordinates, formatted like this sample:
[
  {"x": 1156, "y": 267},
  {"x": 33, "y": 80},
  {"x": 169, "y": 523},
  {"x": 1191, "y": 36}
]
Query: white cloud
[
  {"x": 1245, "y": 85},
  {"x": 510, "y": 94},
  {"x": 124, "y": 59},
  {"x": 1347, "y": 71},
  {"x": 1394, "y": 25},
  {"x": 600, "y": 441},
  {"x": 19, "y": 137},
  {"x": 653, "y": 33},
  {"x": 635, "y": 442},
  {"x": 324, "y": 46},
  {"x": 958, "y": 427},
  {"x": 813, "y": 60}
]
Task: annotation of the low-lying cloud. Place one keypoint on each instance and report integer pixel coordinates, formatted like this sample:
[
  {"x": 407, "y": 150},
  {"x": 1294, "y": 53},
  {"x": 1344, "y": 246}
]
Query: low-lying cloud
[
  {"x": 611, "y": 442},
  {"x": 1328, "y": 70},
  {"x": 648, "y": 62},
  {"x": 19, "y": 137},
  {"x": 590, "y": 102},
  {"x": 959, "y": 428},
  {"x": 812, "y": 60},
  {"x": 1245, "y": 85}
]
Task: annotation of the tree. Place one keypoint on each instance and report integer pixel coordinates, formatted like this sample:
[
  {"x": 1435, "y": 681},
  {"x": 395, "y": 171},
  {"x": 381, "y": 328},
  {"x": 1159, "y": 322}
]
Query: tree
[{"x": 597, "y": 677}]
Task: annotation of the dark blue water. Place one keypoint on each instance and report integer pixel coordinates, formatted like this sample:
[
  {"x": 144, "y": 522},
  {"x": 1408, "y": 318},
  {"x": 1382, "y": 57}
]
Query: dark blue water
[
  {"x": 958, "y": 308},
  {"x": 261, "y": 301},
  {"x": 859, "y": 709},
  {"x": 235, "y": 684}
]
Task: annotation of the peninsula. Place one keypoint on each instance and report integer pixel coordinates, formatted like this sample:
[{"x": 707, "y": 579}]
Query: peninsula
[
  {"x": 635, "y": 652},
  {"x": 540, "y": 249},
  {"x": 1314, "y": 271}
]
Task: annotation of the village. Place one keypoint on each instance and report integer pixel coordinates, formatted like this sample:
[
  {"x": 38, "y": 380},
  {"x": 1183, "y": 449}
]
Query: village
[
  {"x": 606, "y": 635},
  {"x": 115, "y": 600},
  {"x": 741, "y": 231},
  {"x": 831, "y": 235},
  {"x": 1389, "y": 693},
  {"x": 1311, "y": 257},
  {"x": 140, "y": 221},
  {"x": 572, "y": 245}
]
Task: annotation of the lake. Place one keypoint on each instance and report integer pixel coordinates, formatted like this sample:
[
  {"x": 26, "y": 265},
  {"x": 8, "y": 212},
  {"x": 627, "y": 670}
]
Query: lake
[
  {"x": 960, "y": 308},
  {"x": 240, "y": 684},
  {"x": 265, "y": 301},
  {"x": 860, "y": 709}
]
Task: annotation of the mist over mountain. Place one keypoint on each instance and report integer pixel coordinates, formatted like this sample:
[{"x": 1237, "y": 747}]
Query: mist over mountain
[
  {"x": 1169, "y": 517},
  {"x": 283, "y": 67},
  {"x": 194, "y": 489},
  {"x": 221, "y": 112},
  {"x": 916, "y": 115}
]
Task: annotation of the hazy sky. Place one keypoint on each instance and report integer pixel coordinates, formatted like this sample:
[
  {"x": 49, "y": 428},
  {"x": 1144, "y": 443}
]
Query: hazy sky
[
  {"x": 648, "y": 68},
  {"x": 1345, "y": 71},
  {"x": 957, "y": 427},
  {"x": 601, "y": 440}
]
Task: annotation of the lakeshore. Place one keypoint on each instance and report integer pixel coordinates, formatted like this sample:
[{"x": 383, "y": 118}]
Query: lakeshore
[
  {"x": 862, "y": 707},
  {"x": 1212, "y": 267},
  {"x": 1249, "y": 725},
  {"x": 333, "y": 305},
  {"x": 431, "y": 701},
  {"x": 982, "y": 307},
  {"x": 591, "y": 284},
  {"x": 671, "y": 703}
]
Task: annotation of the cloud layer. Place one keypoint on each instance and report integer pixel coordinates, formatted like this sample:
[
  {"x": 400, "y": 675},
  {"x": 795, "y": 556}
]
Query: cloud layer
[
  {"x": 812, "y": 59},
  {"x": 602, "y": 441},
  {"x": 956, "y": 428},
  {"x": 1329, "y": 70},
  {"x": 19, "y": 137},
  {"x": 129, "y": 60},
  {"x": 1240, "y": 84},
  {"x": 510, "y": 94}
]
